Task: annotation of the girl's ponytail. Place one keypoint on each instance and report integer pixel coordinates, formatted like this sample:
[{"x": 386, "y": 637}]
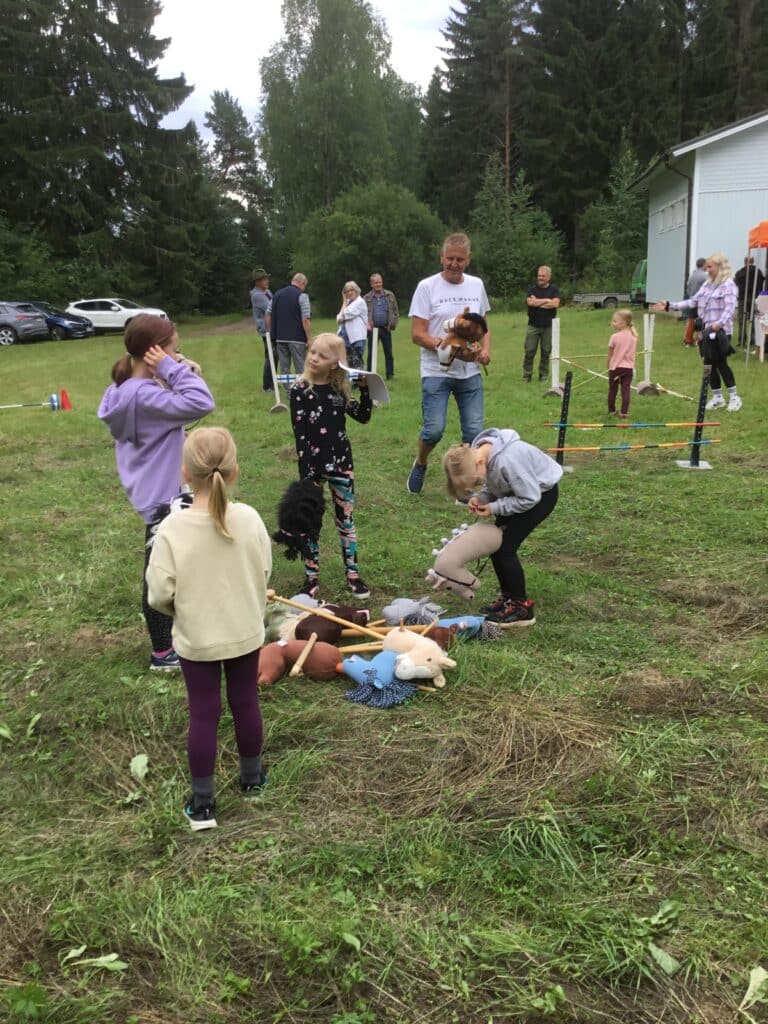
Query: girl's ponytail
[
  {"x": 218, "y": 500},
  {"x": 210, "y": 460},
  {"x": 121, "y": 371}
]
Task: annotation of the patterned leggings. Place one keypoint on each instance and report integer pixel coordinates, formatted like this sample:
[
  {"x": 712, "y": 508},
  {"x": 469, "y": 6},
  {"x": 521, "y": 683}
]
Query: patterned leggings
[{"x": 342, "y": 489}]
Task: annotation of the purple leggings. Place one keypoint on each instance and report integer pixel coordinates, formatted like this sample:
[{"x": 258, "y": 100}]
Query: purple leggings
[
  {"x": 620, "y": 377},
  {"x": 203, "y": 679}
]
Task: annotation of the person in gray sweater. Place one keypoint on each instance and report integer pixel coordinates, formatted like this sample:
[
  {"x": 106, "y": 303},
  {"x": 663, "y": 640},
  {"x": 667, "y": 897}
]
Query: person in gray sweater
[{"x": 516, "y": 482}]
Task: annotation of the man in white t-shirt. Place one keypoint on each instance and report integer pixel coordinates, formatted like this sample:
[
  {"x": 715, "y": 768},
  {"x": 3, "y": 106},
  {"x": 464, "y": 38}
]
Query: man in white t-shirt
[{"x": 437, "y": 299}]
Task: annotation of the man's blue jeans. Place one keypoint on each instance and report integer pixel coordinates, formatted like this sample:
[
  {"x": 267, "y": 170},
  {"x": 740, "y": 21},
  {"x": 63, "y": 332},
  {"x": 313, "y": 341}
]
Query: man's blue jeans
[{"x": 435, "y": 392}]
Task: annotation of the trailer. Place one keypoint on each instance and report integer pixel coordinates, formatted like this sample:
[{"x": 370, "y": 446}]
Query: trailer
[{"x": 602, "y": 300}]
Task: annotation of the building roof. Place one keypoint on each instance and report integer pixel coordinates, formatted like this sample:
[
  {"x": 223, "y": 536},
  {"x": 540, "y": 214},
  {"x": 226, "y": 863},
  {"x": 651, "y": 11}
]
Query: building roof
[{"x": 674, "y": 153}]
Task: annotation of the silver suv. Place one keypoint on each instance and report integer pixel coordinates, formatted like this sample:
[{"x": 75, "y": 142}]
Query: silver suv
[{"x": 19, "y": 322}]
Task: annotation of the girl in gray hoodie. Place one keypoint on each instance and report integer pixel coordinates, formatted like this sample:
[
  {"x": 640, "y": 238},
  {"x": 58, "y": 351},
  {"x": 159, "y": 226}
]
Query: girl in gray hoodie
[{"x": 516, "y": 482}]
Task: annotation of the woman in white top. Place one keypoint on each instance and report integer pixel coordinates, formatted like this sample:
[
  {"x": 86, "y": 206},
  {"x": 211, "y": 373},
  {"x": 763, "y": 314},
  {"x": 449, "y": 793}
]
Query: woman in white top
[{"x": 353, "y": 323}]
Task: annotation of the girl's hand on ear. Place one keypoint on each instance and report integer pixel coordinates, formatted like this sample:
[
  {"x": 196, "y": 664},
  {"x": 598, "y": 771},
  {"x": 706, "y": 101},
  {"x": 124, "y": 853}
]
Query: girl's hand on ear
[{"x": 153, "y": 356}]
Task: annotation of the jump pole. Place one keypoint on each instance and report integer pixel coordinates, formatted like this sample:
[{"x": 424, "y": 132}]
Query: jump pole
[
  {"x": 694, "y": 462},
  {"x": 278, "y": 406},
  {"x": 374, "y": 349},
  {"x": 556, "y": 387},
  {"x": 560, "y": 457},
  {"x": 645, "y": 387},
  {"x": 54, "y": 402}
]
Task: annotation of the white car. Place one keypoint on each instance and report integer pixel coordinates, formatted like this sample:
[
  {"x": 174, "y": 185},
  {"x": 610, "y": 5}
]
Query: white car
[{"x": 110, "y": 314}]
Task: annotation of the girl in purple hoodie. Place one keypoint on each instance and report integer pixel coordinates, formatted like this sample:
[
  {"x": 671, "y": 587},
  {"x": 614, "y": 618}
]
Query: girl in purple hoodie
[{"x": 154, "y": 395}]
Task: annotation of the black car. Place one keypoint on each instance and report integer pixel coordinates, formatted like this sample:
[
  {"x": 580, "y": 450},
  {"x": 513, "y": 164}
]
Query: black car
[{"x": 63, "y": 325}]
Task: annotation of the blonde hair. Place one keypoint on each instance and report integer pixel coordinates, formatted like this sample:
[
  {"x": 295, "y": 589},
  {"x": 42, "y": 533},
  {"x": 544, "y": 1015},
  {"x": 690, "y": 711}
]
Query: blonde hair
[
  {"x": 626, "y": 316},
  {"x": 210, "y": 459},
  {"x": 724, "y": 271},
  {"x": 337, "y": 377},
  {"x": 460, "y": 465}
]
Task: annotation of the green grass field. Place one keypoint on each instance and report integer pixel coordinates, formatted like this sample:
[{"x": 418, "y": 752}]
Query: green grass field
[{"x": 575, "y": 829}]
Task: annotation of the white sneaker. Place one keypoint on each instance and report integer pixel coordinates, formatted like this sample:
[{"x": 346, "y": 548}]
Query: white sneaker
[
  {"x": 734, "y": 403},
  {"x": 717, "y": 402}
]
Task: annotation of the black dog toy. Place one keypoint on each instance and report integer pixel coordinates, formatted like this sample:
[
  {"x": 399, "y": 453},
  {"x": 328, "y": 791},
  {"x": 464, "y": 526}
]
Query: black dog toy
[{"x": 300, "y": 518}]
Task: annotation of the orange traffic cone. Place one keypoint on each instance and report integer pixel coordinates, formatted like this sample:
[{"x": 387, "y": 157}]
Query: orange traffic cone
[{"x": 65, "y": 402}]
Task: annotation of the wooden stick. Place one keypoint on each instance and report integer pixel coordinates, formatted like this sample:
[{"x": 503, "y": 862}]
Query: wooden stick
[
  {"x": 432, "y": 623},
  {"x": 421, "y": 628},
  {"x": 272, "y": 596},
  {"x": 298, "y": 665},
  {"x": 358, "y": 648}
]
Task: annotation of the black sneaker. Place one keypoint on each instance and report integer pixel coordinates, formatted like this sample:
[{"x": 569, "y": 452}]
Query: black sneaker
[
  {"x": 311, "y": 587},
  {"x": 202, "y": 817},
  {"x": 358, "y": 587},
  {"x": 252, "y": 790},
  {"x": 495, "y": 606},
  {"x": 513, "y": 615}
]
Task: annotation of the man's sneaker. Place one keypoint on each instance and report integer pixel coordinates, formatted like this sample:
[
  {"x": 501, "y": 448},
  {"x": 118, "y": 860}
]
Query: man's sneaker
[
  {"x": 311, "y": 587},
  {"x": 416, "y": 478},
  {"x": 734, "y": 404},
  {"x": 202, "y": 817},
  {"x": 168, "y": 662},
  {"x": 252, "y": 790},
  {"x": 495, "y": 606},
  {"x": 513, "y": 615},
  {"x": 358, "y": 587},
  {"x": 716, "y": 402}
]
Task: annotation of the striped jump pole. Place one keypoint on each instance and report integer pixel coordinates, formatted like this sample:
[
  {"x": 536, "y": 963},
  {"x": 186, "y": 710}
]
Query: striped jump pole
[
  {"x": 623, "y": 426},
  {"x": 632, "y": 447}
]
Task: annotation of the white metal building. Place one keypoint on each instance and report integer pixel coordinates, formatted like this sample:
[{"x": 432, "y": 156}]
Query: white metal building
[{"x": 704, "y": 196}]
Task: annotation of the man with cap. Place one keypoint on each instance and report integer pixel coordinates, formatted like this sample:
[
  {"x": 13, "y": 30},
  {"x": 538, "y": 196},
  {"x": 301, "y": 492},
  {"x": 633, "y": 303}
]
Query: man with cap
[{"x": 261, "y": 297}]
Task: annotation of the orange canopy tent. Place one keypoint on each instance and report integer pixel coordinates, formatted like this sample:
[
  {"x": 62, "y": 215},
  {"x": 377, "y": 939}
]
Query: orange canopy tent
[{"x": 758, "y": 236}]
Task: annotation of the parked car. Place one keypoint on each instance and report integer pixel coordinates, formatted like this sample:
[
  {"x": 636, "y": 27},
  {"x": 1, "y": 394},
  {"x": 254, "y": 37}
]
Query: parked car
[
  {"x": 63, "y": 325},
  {"x": 638, "y": 285},
  {"x": 20, "y": 322},
  {"x": 110, "y": 314}
]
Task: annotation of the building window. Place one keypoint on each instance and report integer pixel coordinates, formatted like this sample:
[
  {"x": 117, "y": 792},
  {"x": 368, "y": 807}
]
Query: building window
[{"x": 672, "y": 215}]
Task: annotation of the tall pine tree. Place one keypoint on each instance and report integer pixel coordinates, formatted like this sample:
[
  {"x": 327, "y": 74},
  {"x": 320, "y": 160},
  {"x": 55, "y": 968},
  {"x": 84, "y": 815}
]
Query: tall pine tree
[
  {"x": 81, "y": 104},
  {"x": 572, "y": 124},
  {"x": 480, "y": 104}
]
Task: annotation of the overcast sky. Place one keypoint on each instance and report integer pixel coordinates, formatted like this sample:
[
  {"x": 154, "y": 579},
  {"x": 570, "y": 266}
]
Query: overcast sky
[{"x": 218, "y": 44}]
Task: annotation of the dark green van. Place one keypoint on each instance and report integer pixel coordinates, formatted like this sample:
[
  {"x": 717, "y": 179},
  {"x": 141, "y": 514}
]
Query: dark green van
[{"x": 637, "y": 286}]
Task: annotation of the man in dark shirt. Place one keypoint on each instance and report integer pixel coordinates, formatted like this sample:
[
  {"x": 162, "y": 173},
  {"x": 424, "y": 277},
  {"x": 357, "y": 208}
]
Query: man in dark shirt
[
  {"x": 543, "y": 300},
  {"x": 746, "y": 278}
]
